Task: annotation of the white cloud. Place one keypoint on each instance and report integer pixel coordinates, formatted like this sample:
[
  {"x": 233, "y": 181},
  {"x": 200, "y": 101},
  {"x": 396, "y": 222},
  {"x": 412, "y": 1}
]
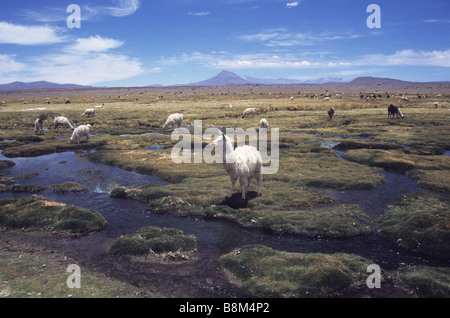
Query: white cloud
[
  {"x": 94, "y": 44},
  {"x": 266, "y": 35},
  {"x": 199, "y": 14},
  {"x": 10, "y": 68},
  {"x": 84, "y": 69},
  {"x": 436, "y": 21},
  {"x": 121, "y": 8},
  {"x": 400, "y": 58},
  {"x": 291, "y": 4},
  {"x": 283, "y": 37},
  {"x": 85, "y": 61},
  {"x": 261, "y": 63},
  {"x": 408, "y": 57},
  {"x": 220, "y": 52},
  {"x": 88, "y": 61},
  {"x": 28, "y": 35}
]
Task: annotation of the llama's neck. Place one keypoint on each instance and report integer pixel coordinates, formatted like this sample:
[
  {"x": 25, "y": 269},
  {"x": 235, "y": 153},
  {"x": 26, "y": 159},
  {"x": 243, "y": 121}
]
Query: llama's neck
[{"x": 228, "y": 153}]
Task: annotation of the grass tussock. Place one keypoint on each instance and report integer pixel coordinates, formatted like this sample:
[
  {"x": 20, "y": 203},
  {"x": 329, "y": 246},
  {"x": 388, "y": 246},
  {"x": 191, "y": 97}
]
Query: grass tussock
[
  {"x": 40, "y": 214},
  {"x": 155, "y": 243},
  {"x": 269, "y": 273},
  {"x": 420, "y": 223},
  {"x": 5, "y": 164},
  {"x": 423, "y": 281},
  {"x": 65, "y": 187}
]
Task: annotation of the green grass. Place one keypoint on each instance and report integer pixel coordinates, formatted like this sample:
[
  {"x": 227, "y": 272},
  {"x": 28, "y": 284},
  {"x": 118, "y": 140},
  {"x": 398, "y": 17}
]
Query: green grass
[
  {"x": 4, "y": 164},
  {"x": 65, "y": 187},
  {"x": 327, "y": 221},
  {"x": 324, "y": 169},
  {"x": 429, "y": 282},
  {"x": 40, "y": 214},
  {"x": 420, "y": 223},
  {"x": 269, "y": 273},
  {"x": 43, "y": 274},
  {"x": 152, "y": 242}
]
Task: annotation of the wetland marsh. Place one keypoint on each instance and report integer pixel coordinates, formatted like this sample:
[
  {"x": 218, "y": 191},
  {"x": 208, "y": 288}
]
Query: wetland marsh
[{"x": 356, "y": 190}]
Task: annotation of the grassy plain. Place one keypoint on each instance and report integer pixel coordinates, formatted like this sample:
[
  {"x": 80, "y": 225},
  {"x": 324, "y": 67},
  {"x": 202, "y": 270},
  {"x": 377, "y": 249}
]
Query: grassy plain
[{"x": 127, "y": 133}]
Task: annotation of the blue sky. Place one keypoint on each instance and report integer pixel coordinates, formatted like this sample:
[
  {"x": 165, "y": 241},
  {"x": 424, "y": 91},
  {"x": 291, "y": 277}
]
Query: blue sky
[{"x": 143, "y": 42}]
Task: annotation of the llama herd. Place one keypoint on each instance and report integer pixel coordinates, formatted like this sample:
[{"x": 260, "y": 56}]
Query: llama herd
[
  {"x": 243, "y": 162},
  {"x": 63, "y": 122}
]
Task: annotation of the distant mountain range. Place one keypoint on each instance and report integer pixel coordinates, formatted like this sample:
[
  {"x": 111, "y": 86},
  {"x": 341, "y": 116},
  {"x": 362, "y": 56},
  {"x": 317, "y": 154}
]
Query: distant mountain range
[
  {"x": 36, "y": 85},
  {"x": 226, "y": 78}
]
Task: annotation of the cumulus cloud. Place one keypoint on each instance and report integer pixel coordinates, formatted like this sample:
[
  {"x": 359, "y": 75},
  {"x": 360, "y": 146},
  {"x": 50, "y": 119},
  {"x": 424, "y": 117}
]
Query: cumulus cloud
[
  {"x": 87, "y": 61},
  {"x": 84, "y": 69},
  {"x": 28, "y": 35},
  {"x": 94, "y": 44}
]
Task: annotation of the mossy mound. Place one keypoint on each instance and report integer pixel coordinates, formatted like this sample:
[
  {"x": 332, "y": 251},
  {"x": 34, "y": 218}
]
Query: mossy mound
[
  {"x": 61, "y": 188},
  {"x": 435, "y": 180},
  {"x": 429, "y": 171},
  {"x": 168, "y": 243},
  {"x": 324, "y": 169},
  {"x": 10, "y": 185},
  {"x": 419, "y": 222},
  {"x": 269, "y": 273},
  {"x": 387, "y": 159},
  {"x": 4, "y": 164},
  {"x": 425, "y": 281},
  {"x": 330, "y": 221},
  {"x": 41, "y": 214}
]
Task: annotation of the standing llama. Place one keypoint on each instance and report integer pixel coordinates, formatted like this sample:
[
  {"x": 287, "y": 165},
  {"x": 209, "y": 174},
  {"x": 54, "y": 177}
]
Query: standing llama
[
  {"x": 244, "y": 162},
  {"x": 331, "y": 113},
  {"x": 394, "y": 111}
]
